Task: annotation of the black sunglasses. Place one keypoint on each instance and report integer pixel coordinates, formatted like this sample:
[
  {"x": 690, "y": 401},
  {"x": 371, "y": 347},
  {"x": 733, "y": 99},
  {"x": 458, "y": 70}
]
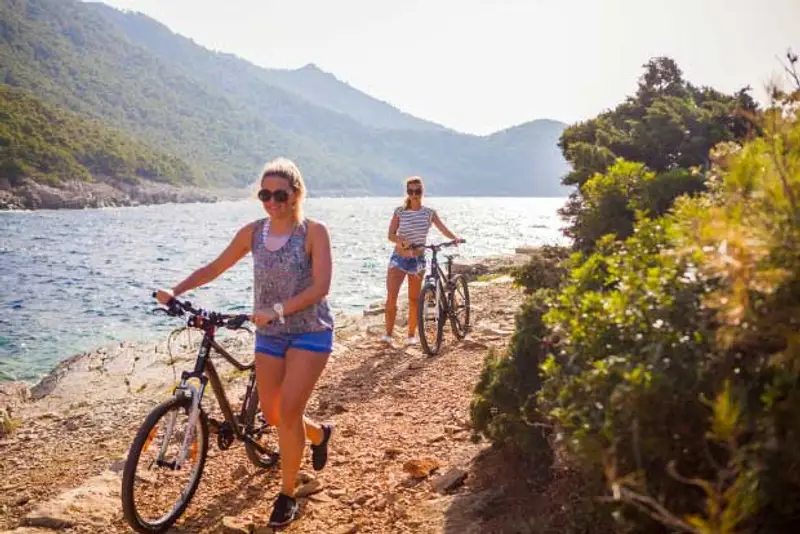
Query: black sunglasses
[
  {"x": 280, "y": 195},
  {"x": 414, "y": 191}
]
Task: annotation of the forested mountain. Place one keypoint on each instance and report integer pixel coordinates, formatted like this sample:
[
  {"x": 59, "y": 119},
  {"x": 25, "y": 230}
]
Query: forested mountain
[
  {"x": 225, "y": 116},
  {"x": 48, "y": 144}
]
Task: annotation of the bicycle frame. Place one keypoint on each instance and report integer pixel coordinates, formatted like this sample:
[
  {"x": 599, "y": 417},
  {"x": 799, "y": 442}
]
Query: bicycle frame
[
  {"x": 438, "y": 278},
  {"x": 205, "y": 372}
]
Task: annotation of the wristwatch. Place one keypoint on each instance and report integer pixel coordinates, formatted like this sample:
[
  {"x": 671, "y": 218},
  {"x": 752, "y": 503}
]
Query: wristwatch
[{"x": 278, "y": 307}]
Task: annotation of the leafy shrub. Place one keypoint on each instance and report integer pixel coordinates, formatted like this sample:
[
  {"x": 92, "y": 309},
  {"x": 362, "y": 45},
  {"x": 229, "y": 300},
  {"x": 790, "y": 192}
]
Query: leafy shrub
[
  {"x": 670, "y": 352},
  {"x": 503, "y": 408},
  {"x": 8, "y": 424},
  {"x": 678, "y": 366},
  {"x": 544, "y": 270}
]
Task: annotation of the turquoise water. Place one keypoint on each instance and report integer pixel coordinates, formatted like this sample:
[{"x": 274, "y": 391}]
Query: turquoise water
[{"x": 71, "y": 281}]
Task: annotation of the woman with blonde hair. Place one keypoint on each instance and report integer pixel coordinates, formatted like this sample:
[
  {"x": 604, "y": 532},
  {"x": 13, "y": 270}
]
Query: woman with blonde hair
[
  {"x": 292, "y": 270},
  {"x": 409, "y": 226}
]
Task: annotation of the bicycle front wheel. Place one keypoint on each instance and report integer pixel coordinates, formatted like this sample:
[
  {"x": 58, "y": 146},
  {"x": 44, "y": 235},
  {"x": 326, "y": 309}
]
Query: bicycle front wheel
[
  {"x": 163, "y": 468},
  {"x": 430, "y": 320}
]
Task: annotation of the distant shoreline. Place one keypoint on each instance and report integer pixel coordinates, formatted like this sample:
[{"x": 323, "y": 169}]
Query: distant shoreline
[
  {"x": 77, "y": 195},
  {"x": 85, "y": 195}
]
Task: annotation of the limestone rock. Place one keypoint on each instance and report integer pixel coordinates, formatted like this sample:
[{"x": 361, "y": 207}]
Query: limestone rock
[
  {"x": 236, "y": 525},
  {"x": 309, "y": 488},
  {"x": 421, "y": 467},
  {"x": 450, "y": 480},
  {"x": 95, "y": 502}
]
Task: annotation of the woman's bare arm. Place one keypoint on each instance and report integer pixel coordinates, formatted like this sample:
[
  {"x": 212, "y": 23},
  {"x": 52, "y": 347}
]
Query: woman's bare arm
[
  {"x": 442, "y": 228},
  {"x": 393, "y": 237}
]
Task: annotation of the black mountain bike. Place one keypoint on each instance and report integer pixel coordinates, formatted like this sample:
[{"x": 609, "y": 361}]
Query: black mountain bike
[
  {"x": 161, "y": 475},
  {"x": 443, "y": 297}
]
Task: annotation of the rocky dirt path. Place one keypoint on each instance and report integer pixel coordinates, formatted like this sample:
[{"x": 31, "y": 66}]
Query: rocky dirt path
[{"x": 401, "y": 459}]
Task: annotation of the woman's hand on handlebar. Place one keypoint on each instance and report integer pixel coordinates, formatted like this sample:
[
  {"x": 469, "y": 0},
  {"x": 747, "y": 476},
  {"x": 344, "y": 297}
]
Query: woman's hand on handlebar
[
  {"x": 163, "y": 297},
  {"x": 263, "y": 318}
]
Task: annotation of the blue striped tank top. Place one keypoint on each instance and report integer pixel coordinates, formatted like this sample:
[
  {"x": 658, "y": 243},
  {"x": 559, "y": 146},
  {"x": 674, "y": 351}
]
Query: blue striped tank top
[{"x": 414, "y": 224}]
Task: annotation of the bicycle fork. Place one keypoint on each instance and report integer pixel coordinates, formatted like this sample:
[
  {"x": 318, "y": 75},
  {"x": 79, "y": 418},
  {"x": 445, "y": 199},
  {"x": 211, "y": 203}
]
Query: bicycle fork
[
  {"x": 434, "y": 302},
  {"x": 196, "y": 394}
]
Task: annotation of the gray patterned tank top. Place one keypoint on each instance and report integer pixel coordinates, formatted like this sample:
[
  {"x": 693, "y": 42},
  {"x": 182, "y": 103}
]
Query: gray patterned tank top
[{"x": 281, "y": 274}]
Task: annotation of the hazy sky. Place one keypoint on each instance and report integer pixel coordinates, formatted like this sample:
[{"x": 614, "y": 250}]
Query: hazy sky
[{"x": 483, "y": 65}]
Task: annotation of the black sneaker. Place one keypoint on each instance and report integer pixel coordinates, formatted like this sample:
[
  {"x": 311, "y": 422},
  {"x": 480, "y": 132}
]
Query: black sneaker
[
  {"x": 284, "y": 511},
  {"x": 319, "y": 453}
]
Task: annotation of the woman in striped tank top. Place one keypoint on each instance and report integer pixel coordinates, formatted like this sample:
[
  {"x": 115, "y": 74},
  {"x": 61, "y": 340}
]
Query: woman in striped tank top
[
  {"x": 292, "y": 270},
  {"x": 409, "y": 226}
]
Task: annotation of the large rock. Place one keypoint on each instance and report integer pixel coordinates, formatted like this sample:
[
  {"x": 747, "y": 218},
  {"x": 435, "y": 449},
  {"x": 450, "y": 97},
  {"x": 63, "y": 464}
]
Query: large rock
[
  {"x": 421, "y": 467},
  {"x": 95, "y": 503},
  {"x": 474, "y": 268},
  {"x": 450, "y": 480},
  {"x": 237, "y": 525}
]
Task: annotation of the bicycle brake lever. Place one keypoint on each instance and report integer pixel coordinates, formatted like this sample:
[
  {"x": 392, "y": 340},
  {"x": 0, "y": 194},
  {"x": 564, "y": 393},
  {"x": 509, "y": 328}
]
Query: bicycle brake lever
[{"x": 237, "y": 322}]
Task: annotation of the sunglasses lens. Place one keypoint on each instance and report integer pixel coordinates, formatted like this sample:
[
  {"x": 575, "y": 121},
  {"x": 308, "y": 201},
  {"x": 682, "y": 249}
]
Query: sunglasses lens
[
  {"x": 415, "y": 192},
  {"x": 265, "y": 195}
]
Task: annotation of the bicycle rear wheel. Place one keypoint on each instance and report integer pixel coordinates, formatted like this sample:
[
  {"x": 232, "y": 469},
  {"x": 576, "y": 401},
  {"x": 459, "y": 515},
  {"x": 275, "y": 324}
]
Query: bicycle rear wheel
[
  {"x": 459, "y": 306},
  {"x": 153, "y": 495},
  {"x": 264, "y": 454},
  {"x": 430, "y": 320}
]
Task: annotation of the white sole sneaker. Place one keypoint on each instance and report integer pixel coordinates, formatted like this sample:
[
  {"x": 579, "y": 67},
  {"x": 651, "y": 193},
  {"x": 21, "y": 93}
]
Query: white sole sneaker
[
  {"x": 387, "y": 339},
  {"x": 412, "y": 341}
]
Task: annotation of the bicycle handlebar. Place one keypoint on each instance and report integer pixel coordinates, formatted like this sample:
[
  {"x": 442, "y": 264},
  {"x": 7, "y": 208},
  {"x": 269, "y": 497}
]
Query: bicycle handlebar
[
  {"x": 438, "y": 246},
  {"x": 200, "y": 317}
]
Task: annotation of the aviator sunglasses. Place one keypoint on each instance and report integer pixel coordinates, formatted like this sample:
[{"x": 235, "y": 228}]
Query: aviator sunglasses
[
  {"x": 414, "y": 191},
  {"x": 280, "y": 195}
]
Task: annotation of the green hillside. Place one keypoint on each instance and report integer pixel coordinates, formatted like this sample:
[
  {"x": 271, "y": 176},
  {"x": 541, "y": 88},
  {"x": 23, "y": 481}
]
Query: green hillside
[{"x": 48, "y": 145}]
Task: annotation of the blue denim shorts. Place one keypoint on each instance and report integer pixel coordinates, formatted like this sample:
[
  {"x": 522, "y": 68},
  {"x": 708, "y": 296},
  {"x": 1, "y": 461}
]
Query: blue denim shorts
[
  {"x": 277, "y": 345},
  {"x": 410, "y": 265}
]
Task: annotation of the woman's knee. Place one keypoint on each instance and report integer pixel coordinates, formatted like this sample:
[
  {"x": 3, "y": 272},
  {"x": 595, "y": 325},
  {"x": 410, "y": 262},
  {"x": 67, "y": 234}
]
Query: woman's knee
[{"x": 291, "y": 409}]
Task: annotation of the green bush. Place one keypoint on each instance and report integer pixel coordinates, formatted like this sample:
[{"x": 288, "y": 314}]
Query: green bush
[
  {"x": 504, "y": 405},
  {"x": 666, "y": 361},
  {"x": 677, "y": 374},
  {"x": 545, "y": 269},
  {"x": 504, "y": 408}
]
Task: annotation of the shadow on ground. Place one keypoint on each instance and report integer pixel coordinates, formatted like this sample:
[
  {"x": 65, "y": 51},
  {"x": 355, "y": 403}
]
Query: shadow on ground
[{"x": 506, "y": 494}]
